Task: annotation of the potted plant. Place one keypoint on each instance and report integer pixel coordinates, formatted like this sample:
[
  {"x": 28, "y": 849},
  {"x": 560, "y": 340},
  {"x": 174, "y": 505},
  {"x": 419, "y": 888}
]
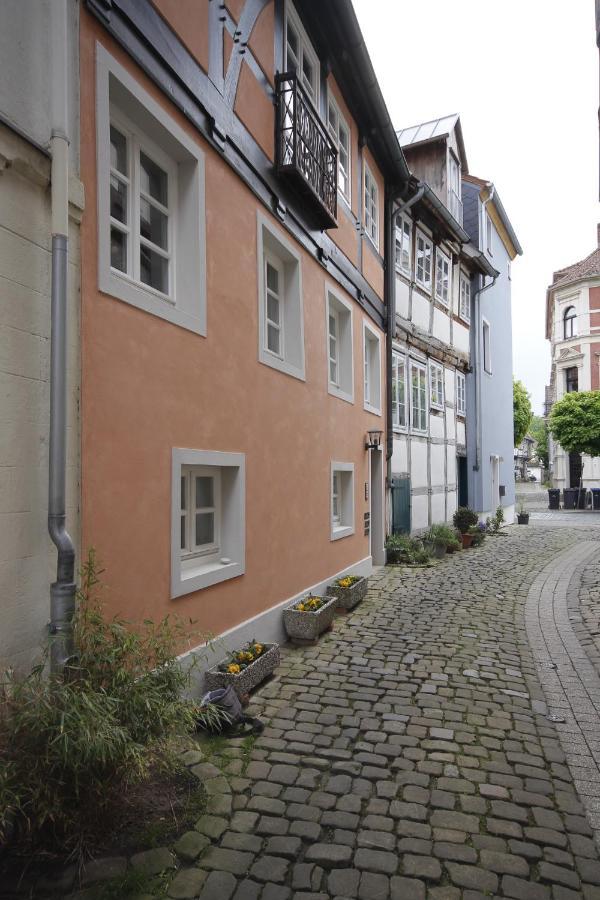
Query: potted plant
[
  {"x": 437, "y": 537},
  {"x": 349, "y": 591},
  {"x": 406, "y": 550},
  {"x": 245, "y": 668},
  {"x": 478, "y": 533},
  {"x": 309, "y": 617},
  {"x": 465, "y": 518},
  {"x": 522, "y": 515}
]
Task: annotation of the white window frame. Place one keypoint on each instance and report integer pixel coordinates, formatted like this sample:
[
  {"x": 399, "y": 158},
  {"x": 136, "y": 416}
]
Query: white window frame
[
  {"x": 305, "y": 46},
  {"x": 190, "y": 570},
  {"x": 399, "y": 422},
  {"x": 461, "y": 394},
  {"x": 486, "y": 346},
  {"x": 371, "y": 369},
  {"x": 192, "y": 549},
  {"x": 436, "y": 385},
  {"x": 279, "y": 296},
  {"x": 443, "y": 277},
  {"x": 464, "y": 299},
  {"x": 421, "y": 368},
  {"x": 423, "y": 277},
  {"x": 342, "y": 524},
  {"x": 403, "y": 245},
  {"x": 335, "y": 128},
  {"x": 341, "y": 308},
  {"x": 272, "y": 245},
  {"x": 120, "y": 99},
  {"x": 371, "y": 208}
]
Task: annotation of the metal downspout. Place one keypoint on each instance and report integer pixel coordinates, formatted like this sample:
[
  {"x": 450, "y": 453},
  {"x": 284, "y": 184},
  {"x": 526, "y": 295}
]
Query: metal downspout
[
  {"x": 391, "y": 320},
  {"x": 62, "y": 591}
]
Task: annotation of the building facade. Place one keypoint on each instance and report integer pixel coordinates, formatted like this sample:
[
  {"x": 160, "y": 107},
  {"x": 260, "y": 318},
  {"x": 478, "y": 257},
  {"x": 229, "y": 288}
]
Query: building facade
[
  {"x": 490, "y": 431},
  {"x": 27, "y": 110},
  {"x": 435, "y": 267},
  {"x": 573, "y": 329}
]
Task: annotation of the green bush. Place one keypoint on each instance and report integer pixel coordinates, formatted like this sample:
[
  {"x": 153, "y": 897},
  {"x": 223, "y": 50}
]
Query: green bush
[
  {"x": 464, "y": 518},
  {"x": 68, "y": 744},
  {"x": 495, "y": 523},
  {"x": 442, "y": 535},
  {"x": 406, "y": 549}
]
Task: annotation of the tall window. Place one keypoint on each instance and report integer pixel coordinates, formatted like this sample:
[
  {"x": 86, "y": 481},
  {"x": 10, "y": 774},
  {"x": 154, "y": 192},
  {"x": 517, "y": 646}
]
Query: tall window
[
  {"x": 418, "y": 384},
  {"x": 371, "y": 207},
  {"x": 442, "y": 277},
  {"x": 341, "y": 135},
  {"x": 200, "y": 502},
  {"x": 455, "y": 203},
  {"x": 423, "y": 261},
  {"x": 403, "y": 245},
  {"x": 142, "y": 185},
  {"x": 300, "y": 56},
  {"x": 372, "y": 369},
  {"x": 334, "y": 347},
  {"x": 461, "y": 403},
  {"x": 487, "y": 350},
  {"x": 274, "y": 299},
  {"x": 398, "y": 390},
  {"x": 464, "y": 310},
  {"x": 342, "y": 500},
  {"x": 571, "y": 380},
  {"x": 569, "y": 323},
  {"x": 436, "y": 382}
]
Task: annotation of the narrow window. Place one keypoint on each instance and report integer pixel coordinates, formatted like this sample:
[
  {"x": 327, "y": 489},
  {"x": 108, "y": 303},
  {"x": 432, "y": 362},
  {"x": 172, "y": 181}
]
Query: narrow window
[
  {"x": 336, "y": 515},
  {"x": 200, "y": 491},
  {"x": 342, "y": 500},
  {"x": 455, "y": 203},
  {"x": 274, "y": 294},
  {"x": 569, "y": 323},
  {"x": 334, "y": 350},
  {"x": 398, "y": 390},
  {"x": 572, "y": 380},
  {"x": 423, "y": 262},
  {"x": 436, "y": 379},
  {"x": 487, "y": 359},
  {"x": 341, "y": 135},
  {"x": 465, "y": 298},
  {"x": 300, "y": 56},
  {"x": 403, "y": 245},
  {"x": 372, "y": 369},
  {"x": 460, "y": 394},
  {"x": 442, "y": 277},
  {"x": 154, "y": 224},
  {"x": 371, "y": 207},
  {"x": 120, "y": 231},
  {"x": 418, "y": 412}
]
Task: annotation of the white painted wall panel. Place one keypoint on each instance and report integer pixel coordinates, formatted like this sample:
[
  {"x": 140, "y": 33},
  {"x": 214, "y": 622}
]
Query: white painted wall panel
[
  {"x": 420, "y": 512},
  {"x": 441, "y": 325},
  {"x": 401, "y": 298},
  {"x": 460, "y": 432},
  {"x": 438, "y": 469},
  {"x": 418, "y": 464},
  {"x": 450, "y": 423},
  {"x": 400, "y": 455},
  {"x": 460, "y": 337},
  {"x": 436, "y": 425},
  {"x": 438, "y": 507},
  {"x": 451, "y": 504},
  {"x": 420, "y": 311}
]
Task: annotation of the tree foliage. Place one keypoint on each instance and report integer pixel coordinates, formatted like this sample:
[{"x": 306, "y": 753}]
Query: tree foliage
[
  {"x": 522, "y": 413},
  {"x": 575, "y": 422},
  {"x": 539, "y": 432}
]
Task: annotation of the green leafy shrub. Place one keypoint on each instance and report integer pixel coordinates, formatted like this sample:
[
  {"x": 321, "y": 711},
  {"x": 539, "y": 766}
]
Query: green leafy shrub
[
  {"x": 442, "y": 534},
  {"x": 401, "y": 548},
  {"x": 494, "y": 523},
  {"x": 478, "y": 532},
  {"x": 464, "y": 518},
  {"x": 69, "y": 743}
]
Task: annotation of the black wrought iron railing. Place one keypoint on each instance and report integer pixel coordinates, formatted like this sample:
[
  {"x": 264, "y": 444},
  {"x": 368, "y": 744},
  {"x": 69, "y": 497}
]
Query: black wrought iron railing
[{"x": 305, "y": 150}]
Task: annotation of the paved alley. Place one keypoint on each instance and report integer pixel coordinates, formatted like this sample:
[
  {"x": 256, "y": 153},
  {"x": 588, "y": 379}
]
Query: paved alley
[{"x": 411, "y": 754}]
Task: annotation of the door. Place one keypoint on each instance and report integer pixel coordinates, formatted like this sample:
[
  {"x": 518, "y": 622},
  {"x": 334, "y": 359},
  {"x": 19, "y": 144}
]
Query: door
[
  {"x": 376, "y": 521},
  {"x": 400, "y": 504},
  {"x": 575, "y": 469},
  {"x": 463, "y": 491}
]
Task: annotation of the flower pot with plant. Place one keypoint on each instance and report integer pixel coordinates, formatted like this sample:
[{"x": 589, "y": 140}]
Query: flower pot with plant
[
  {"x": 309, "y": 617},
  {"x": 478, "y": 533},
  {"x": 465, "y": 518},
  {"x": 405, "y": 550},
  {"x": 443, "y": 538},
  {"x": 244, "y": 669},
  {"x": 349, "y": 591},
  {"x": 522, "y": 515}
]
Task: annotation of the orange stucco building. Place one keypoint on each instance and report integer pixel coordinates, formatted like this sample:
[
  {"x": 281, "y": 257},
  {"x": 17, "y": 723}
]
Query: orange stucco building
[{"x": 238, "y": 162}]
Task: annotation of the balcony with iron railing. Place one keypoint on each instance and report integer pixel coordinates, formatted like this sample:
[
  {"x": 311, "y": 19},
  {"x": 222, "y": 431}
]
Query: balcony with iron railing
[
  {"x": 455, "y": 206},
  {"x": 305, "y": 152}
]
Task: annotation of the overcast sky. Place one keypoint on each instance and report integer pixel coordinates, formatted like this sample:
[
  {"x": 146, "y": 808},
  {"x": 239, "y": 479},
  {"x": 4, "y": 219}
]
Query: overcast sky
[{"x": 523, "y": 74}]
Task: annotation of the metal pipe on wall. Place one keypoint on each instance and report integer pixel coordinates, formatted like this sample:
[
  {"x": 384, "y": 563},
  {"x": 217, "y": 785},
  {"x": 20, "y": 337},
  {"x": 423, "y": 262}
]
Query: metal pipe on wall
[{"x": 62, "y": 591}]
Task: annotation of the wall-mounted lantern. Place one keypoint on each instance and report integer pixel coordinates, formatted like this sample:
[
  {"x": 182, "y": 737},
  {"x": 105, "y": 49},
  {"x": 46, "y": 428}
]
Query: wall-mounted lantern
[{"x": 373, "y": 439}]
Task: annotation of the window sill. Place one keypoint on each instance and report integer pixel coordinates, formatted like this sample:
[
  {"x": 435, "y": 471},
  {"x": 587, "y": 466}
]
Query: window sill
[
  {"x": 426, "y": 288},
  {"x": 121, "y": 287},
  {"x": 339, "y": 393},
  {"x": 281, "y": 365},
  {"x": 444, "y": 303},
  {"x": 402, "y": 272},
  {"x": 437, "y": 407},
  {"x": 464, "y": 319},
  {"x": 195, "y": 575},
  {"x": 376, "y": 411},
  {"x": 374, "y": 246},
  {"x": 341, "y": 531}
]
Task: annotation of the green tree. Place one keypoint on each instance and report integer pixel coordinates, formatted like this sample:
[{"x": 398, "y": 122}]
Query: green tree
[
  {"x": 539, "y": 432},
  {"x": 575, "y": 422},
  {"x": 522, "y": 412}
]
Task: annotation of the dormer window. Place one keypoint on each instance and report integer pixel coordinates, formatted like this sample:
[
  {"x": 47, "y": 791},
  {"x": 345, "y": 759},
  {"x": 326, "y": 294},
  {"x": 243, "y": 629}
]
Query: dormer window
[
  {"x": 569, "y": 322},
  {"x": 300, "y": 56},
  {"x": 454, "y": 201}
]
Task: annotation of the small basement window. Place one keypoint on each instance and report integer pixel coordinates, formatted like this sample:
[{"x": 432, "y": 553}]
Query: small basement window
[{"x": 342, "y": 500}]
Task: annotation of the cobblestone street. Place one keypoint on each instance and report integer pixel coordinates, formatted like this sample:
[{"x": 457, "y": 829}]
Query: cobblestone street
[{"x": 410, "y": 753}]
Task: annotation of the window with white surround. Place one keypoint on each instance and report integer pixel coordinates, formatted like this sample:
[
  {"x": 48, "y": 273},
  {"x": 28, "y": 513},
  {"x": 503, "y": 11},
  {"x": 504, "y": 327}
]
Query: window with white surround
[
  {"x": 398, "y": 390},
  {"x": 487, "y": 358},
  {"x": 436, "y": 385},
  {"x": 151, "y": 240},
  {"x": 488, "y": 234},
  {"x": 424, "y": 253},
  {"x": 300, "y": 56},
  {"x": 207, "y": 518},
  {"x": 342, "y": 500},
  {"x": 418, "y": 400},
  {"x": 340, "y": 365},
  {"x": 372, "y": 369},
  {"x": 403, "y": 245},
  {"x": 442, "y": 277},
  {"x": 281, "y": 325},
  {"x": 461, "y": 402},
  {"x": 371, "y": 211},
  {"x": 464, "y": 308},
  {"x": 341, "y": 135},
  {"x": 454, "y": 201}
]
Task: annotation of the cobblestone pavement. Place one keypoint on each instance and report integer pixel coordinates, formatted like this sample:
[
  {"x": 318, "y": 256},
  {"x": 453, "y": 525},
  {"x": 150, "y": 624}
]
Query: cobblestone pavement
[
  {"x": 409, "y": 754},
  {"x": 574, "y": 517}
]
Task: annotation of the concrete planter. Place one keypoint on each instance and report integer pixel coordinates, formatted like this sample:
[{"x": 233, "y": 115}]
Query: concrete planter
[
  {"x": 243, "y": 682},
  {"x": 523, "y": 518},
  {"x": 348, "y": 598},
  {"x": 304, "y": 627}
]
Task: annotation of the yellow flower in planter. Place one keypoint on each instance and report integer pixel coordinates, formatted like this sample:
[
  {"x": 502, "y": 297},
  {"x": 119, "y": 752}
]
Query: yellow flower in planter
[
  {"x": 233, "y": 669},
  {"x": 300, "y": 607}
]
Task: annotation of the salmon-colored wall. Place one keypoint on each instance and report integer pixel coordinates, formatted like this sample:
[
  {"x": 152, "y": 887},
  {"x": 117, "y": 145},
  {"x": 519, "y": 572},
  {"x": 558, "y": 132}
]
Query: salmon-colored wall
[
  {"x": 189, "y": 19},
  {"x": 595, "y": 366},
  {"x": 345, "y": 236},
  {"x": 595, "y": 307},
  {"x": 148, "y": 386},
  {"x": 235, "y": 7},
  {"x": 262, "y": 41},
  {"x": 227, "y": 50},
  {"x": 255, "y": 110}
]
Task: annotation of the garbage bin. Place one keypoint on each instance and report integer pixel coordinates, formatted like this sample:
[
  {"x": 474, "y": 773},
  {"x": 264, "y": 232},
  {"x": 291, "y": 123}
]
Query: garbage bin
[
  {"x": 595, "y": 498},
  {"x": 554, "y": 498},
  {"x": 569, "y": 498},
  {"x": 581, "y": 498}
]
